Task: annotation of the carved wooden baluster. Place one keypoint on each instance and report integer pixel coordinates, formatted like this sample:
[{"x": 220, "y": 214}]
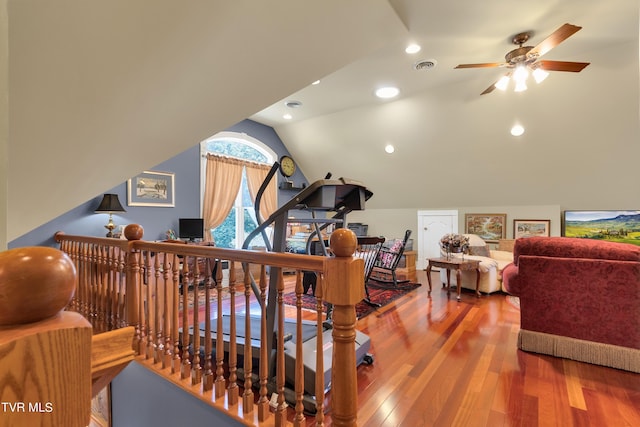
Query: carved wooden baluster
[
  {"x": 149, "y": 351},
  {"x": 247, "y": 396},
  {"x": 175, "y": 335},
  {"x": 281, "y": 409},
  {"x": 196, "y": 369},
  {"x": 263, "y": 400},
  {"x": 112, "y": 286},
  {"x": 207, "y": 379},
  {"x": 158, "y": 346},
  {"x": 299, "y": 419},
  {"x": 93, "y": 294},
  {"x": 138, "y": 273},
  {"x": 232, "y": 391},
  {"x": 121, "y": 320},
  {"x": 167, "y": 310},
  {"x": 185, "y": 368},
  {"x": 220, "y": 381},
  {"x": 319, "y": 351}
]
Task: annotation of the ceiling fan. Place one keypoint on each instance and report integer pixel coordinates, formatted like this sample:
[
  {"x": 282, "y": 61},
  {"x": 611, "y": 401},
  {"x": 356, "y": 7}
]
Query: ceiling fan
[{"x": 524, "y": 58}]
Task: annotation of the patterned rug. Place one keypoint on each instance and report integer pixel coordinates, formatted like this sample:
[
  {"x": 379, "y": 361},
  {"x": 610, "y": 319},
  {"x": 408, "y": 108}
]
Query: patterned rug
[
  {"x": 379, "y": 294},
  {"x": 513, "y": 301}
]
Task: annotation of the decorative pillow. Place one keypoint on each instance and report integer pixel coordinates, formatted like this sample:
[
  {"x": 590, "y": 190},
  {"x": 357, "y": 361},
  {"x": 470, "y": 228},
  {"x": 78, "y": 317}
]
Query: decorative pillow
[{"x": 479, "y": 250}]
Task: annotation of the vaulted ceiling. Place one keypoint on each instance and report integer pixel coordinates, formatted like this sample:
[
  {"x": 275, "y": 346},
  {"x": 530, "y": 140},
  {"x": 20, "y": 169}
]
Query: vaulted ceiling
[{"x": 98, "y": 91}]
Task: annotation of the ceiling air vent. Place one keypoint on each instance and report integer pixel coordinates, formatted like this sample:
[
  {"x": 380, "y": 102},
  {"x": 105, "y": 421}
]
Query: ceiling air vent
[
  {"x": 293, "y": 104},
  {"x": 425, "y": 64}
]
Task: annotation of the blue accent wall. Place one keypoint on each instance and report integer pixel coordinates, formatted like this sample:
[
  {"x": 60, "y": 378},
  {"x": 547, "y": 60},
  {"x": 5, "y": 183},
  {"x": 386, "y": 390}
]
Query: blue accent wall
[{"x": 83, "y": 220}]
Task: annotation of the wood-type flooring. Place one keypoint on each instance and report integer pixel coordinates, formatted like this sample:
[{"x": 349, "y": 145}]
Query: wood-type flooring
[{"x": 440, "y": 362}]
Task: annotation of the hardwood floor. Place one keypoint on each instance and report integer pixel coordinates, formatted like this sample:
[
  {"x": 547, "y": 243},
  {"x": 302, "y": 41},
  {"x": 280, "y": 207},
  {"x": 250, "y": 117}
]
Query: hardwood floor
[{"x": 440, "y": 362}]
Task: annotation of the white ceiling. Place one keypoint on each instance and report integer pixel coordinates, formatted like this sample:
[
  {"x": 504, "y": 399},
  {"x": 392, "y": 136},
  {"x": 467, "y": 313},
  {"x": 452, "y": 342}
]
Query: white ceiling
[{"x": 440, "y": 119}]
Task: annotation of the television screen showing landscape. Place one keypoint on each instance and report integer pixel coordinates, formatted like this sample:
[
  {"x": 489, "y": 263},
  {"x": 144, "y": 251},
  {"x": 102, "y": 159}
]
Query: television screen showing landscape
[{"x": 614, "y": 226}]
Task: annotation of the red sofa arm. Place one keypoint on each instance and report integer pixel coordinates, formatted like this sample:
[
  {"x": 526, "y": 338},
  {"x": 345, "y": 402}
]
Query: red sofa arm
[
  {"x": 510, "y": 279},
  {"x": 587, "y": 299}
]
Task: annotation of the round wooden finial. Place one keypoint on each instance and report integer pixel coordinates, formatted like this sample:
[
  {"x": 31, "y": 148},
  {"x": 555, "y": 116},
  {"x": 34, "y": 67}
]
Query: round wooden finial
[
  {"x": 35, "y": 283},
  {"x": 133, "y": 232},
  {"x": 343, "y": 242}
]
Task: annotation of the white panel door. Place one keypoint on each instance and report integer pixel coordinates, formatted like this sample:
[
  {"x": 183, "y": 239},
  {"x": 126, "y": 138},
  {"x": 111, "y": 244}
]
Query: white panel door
[{"x": 432, "y": 225}]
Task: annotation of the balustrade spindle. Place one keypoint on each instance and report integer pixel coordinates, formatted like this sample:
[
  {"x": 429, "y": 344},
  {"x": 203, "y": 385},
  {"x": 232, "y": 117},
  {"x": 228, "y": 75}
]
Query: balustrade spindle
[
  {"x": 247, "y": 396},
  {"x": 175, "y": 336},
  {"x": 196, "y": 368},
  {"x": 263, "y": 401},
  {"x": 207, "y": 380},
  {"x": 185, "y": 368},
  {"x": 299, "y": 419},
  {"x": 220, "y": 381},
  {"x": 232, "y": 389},
  {"x": 281, "y": 415}
]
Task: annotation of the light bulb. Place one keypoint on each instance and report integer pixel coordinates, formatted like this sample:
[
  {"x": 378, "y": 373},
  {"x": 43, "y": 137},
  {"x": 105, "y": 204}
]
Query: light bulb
[
  {"x": 539, "y": 75},
  {"x": 520, "y": 86},
  {"x": 387, "y": 92},
  {"x": 521, "y": 73},
  {"x": 502, "y": 83},
  {"x": 517, "y": 130}
]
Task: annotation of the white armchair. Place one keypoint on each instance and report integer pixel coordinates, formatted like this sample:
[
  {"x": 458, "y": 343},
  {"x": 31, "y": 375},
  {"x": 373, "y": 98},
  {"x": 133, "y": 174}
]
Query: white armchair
[{"x": 492, "y": 262}]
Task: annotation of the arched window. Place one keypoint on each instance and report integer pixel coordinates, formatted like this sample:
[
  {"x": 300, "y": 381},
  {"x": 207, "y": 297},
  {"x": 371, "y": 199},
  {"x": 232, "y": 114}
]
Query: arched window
[{"x": 241, "y": 219}]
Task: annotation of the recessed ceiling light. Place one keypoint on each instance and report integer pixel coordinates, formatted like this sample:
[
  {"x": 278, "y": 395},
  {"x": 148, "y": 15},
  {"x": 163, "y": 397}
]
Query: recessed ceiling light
[
  {"x": 316, "y": 82},
  {"x": 413, "y": 48},
  {"x": 517, "y": 130},
  {"x": 389, "y": 148},
  {"x": 287, "y": 117},
  {"x": 387, "y": 92}
]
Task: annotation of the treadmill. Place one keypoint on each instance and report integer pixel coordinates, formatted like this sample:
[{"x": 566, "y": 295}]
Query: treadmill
[{"x": 326, "y": 196}]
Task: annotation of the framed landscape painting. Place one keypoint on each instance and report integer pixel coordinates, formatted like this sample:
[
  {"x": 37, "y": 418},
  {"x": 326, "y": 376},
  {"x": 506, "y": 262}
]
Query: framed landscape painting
[
  {"x": 151, "y": 189},
  {"x": 491, "y": 227},
  {"x": 531, "y": 227},
  {"x": 614, "y": 226}
]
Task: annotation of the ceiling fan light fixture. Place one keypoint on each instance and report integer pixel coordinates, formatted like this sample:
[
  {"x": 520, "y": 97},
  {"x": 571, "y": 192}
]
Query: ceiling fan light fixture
[
  {"x": 502, "y": 83},
  {"x": 521, "y": 86},
  {"x": 520, "y": 74},
  {"x": 539, "y": 75}
]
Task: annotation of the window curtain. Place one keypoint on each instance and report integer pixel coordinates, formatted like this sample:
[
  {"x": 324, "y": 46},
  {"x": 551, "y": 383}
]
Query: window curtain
[
  {"x": 223, "y": 179},
  {"x": 256, "y": 173}
]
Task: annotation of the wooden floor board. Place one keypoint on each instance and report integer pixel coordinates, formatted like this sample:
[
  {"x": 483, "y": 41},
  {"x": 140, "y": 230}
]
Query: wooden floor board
[{"x": 442, "y": 362}]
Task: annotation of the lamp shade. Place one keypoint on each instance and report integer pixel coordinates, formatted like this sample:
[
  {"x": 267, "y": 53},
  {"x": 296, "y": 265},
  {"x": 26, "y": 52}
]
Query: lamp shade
[{"x": 110, "y": 203}]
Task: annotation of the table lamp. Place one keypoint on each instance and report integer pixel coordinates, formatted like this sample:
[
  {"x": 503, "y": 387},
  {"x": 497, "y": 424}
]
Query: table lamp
[{"x": 110, "y": 204}]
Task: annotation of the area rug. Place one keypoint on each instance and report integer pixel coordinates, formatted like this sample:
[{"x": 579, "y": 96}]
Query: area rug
[
  {"x": 514, "y": 301},
  {"x": 378, "y": 294}
]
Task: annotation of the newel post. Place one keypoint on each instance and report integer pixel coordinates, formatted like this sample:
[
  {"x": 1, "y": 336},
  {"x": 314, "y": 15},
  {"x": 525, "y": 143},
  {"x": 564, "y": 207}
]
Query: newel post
[
  {"x": 344, "y": 288},
  {"x": 132, "y": 232}
]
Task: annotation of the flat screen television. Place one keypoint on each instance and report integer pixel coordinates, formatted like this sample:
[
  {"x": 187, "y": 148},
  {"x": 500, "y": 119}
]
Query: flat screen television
[
  {"x": 191, "y": 228},
  {"x": 614, "y": 226}
]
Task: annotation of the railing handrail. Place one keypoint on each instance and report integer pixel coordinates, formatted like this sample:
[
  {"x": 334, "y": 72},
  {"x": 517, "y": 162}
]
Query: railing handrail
[
  {"x": 283, "y": 260},
  {"x": 141, "y": 283}
]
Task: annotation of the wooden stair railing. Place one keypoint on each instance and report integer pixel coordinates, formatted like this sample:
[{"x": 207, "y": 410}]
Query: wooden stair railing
[
  {"x": 46, "y": 353},
  {"x": 163, "y": 290}
]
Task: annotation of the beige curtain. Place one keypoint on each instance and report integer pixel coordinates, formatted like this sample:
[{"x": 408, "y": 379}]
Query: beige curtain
[
  {"x": 256, "y": 173},
  {"x": 223, "y": 179}
]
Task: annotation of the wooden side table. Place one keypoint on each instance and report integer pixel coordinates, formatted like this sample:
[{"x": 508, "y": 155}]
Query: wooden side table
[{"x": 457, "y": 264}]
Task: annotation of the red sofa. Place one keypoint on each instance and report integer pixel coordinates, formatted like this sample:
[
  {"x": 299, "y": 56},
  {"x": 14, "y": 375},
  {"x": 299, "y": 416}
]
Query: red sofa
[{"x": 579, "y": 299}]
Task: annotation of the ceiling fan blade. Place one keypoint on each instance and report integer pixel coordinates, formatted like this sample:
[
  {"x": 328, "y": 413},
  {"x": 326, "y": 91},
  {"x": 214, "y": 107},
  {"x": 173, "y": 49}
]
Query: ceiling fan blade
[
  {"x": 485, "y": 65},
  {"x": 560, "y": 35},
  {"x": 575, "y": 67},
  {"x": 489, "y": 89}
]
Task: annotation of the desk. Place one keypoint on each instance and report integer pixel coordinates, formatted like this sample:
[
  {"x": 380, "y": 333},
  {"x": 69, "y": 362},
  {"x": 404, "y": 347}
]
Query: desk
[{"x": 457, "y": 264}]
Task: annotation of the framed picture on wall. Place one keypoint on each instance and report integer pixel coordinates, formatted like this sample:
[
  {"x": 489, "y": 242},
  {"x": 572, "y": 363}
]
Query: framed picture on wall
[
  {"x": 151, "y": 189},
  {"x": 491, "y": 227},
  {"x": 531, "y": 227}
]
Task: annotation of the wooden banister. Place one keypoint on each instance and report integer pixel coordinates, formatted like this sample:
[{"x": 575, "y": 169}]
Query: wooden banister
[
  {"x": 171, "y": 298},
  {"x": 110, "y": 353}
]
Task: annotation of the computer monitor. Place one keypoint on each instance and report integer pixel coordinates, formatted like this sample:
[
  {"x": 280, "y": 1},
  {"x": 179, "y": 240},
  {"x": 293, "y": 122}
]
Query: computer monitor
[{"x": 191, "y": 228}]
